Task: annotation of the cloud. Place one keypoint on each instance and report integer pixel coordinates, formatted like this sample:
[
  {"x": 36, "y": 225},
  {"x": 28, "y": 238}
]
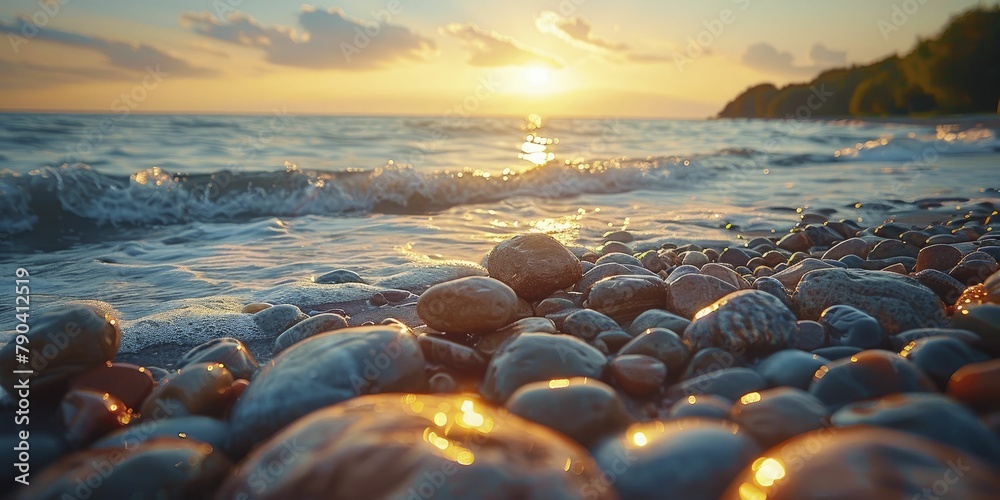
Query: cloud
[
  {"x": 766, "y": 57},
  {"x": 24, "y": 75},
  {"x": 489, "y": 48},
  {"x": 329, "y": 39},
  {"x": 575, "y": 31},
  {"x": 121, "y": 54},
  {"x": 579, "y": 32}
]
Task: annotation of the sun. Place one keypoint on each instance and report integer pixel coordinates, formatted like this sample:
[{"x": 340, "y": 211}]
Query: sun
[{"x": 536, "y": 76}]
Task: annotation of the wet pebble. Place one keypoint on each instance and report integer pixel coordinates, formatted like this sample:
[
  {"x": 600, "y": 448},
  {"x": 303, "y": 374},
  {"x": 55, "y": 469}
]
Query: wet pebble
[
  {"x": 810, "y": 336},
  {"x": 899, "y": 303},
  {"x": 853, "y": 246},
  {"x": 661, "y": 344},
  {"x": 305, "y": 329},
  {"x": 657, "y": 318},
  {"x": 693, "y": 292},
  {"x": 977, "y": 385},
  {"x": 598, "y": 273},
  {"x": 795, "y": 242},
  {"x": 474, "y": 304},
  {"x": 867, "y": 375},
  {"x": 849, "y": 326},
  {"x": 773, "y": 287},
  {"x": 941, "y": 357},
  {"x": 129, "y": 383},
  {"x": 534, "y": 265},
  {"x": 701, "y": 406},
  {"x": 790, "y": 368},
  {"x": 622, "y": 298},
  {"x": 535, "y": 357},
  {"x": 587, "y": 324},
  {"x": 948, "y": 289},
  {"x": 232, "y": 353},
  {"x": 729, "y": 383},
  {"x": 892, "y": 248},
  {"x": 749, "y": 322},
  {"x": 196, "y": 389},
  {"x": 638, "y": 375},
  {"x": 62, "y": 343},
  {"x": 276, "y": 319},
  {"x": 207, "y": 430},
  {"x": 584, "y": 409},
  {"x": 790, "y": 277},
  {"x": 704, "y": 456},
  {"x": 984, "y": 321},
  {"x": 709, "y": 360},
  {"x": 87, "y": 415},
  {"x": 338, "y": 276},
  {"x": 255, "y": 307},
  {"x": 775, "y": 415},
  {"x": 440, "y": 350},
  {"x": 938, "y": 257}
]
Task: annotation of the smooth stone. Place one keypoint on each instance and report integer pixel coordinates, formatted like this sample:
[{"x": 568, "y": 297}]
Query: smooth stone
[
  {"x": 811, "y": 336},
  {"x": 974, "y": 272},
  {"x": 587, "y": 324},
  {"x": 709, "y": 360},
  {"x": 680, "y": 272},
  {"x": 620, "y": 258},
  {"x": 130, "y": 384},
  {"x": 822, "y": 236},
  {"x": 851, "y": 327},
  {"x": 693, "y": 292},
  {"x": 834, "y": 353},
  {"x": 860, "y": 462},
  {"x": 623, "y": 298},
  {"x": 396, "y": 445},
  {"x": 657, "y": 318},
  {"x": 696, "y": 259},
  {"x": 463, "y": 359},
  {"x": 795, "y": 242},
  {"x": 489, "y": 344},
  {"x": 613, "y": 340},
  {"x": 977, "y": 384},
  {"x": 339, "y": 276},
  {"x": 941, "y": 357},
  {"x": 87, "y": 415},
  {"x": 196, "y": 389},
  {"x": 932, "y": 416},
  {"x": 915, "y": 238},
  {"x": 773, "y": 258},
  {"x": 790, "y": 368},
  {"x": 474, "y": 304},
  {"x": 637, "y": 374},
  {"x": 775, "y": 415},
  {"x": 972, "y": 296},
  {"x": 712, "y": 254},
  {"x": 853, "y": 262},
  {"x": 651, "y": 260},
  {"x": 948, "y": 289},
  {"x": 598, "y": 273},
  {"x": 535, "y": 357},
  {"x": 226, "y": 350},
  {"x": 662, "y": 344},
  {"x": 896, "y": 269},
  {"x": 984, "y": 321},
  {"x": 553, "y": 305},
  {"x": 255, "y": 307},
  {"x": 584, "y": 409},
  {"x": 790, "y": 277},
  {"x": 903, "y": 339},
  {"x": 701, "y": 406},
  {"x": 747, "y": 322},
  {"x": 613, "y": 247},
  {"x": 729, "y": 383},
  {"x": 774, "y": 287},
  {"x": 195, "y": 428},
  {"x": 853, "y": 246},
  {"x": 938, "y": 257},
  {"x": 893, "y": 248},
  {"x": 534, "y": 265},
  {"x": 307, "y": 328},
  {"x": 691, "y": 459},
  {"x": 899, "y": 303},
  {"x": 867, "y": 375},
  {"x": 725, "y": 274},
  {"x": 324, "y": 370},
  {"x": 62, "y": 343},
  {"x": 734, "y": 257},
  {"x": 619, "y": 236},
  {"x": 164, "y": 468},
  {"x": 276, "y": 319}
]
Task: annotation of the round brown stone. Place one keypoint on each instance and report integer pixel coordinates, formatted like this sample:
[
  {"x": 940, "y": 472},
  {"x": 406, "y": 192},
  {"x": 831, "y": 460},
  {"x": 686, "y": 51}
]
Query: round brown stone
[
  {"x": 130, "y": 383},
  {"x": 198, "y": 389},
  {"x": 939, "y": 257},
  {"x": 637, "y": 374},
  {"x": 853, "y": 246},
  {"x": 534, "y": 265},
  {"x": 693, "y": 292},
  {"x": 977, "y": 384},
  {"x": 468, "y": 305}
]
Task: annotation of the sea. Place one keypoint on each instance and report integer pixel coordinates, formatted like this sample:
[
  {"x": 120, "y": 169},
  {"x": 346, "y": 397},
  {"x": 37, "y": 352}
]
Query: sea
[{"x": 177, "y": 221}]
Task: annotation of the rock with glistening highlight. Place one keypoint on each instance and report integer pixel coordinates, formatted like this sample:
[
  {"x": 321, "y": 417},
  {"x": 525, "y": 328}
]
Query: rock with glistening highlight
[
  {"x": 468, "y": 305},
  {"x": 687, "y": 458},
  {"x": 747, "y": 322},
  {"x": 88, "y": 415},
  {"x": 307, "y": 328},
  {"x": 129, "y": 383},
  {"x": 775, "y": 415},
  {"x": 534, "y": 357},
  {"x": 899, "y": 303},
  {"x": 534, "y": 265},
  {"x": 941, "y": 357},
  {"x": 232, "y": 353},
  {"x": 623, "y": 298},
  {"x": 977, "y": 385},
  {"x": 414, "y": 446},
  {"x": 693, "y": 292},
  {"x": 198, "y": 389},
  {"x": 637, "y": 374},
  {"x": 790, "y": 368},
  {"x": 867, "y": 375},
  {"x": 584, "y": 409},
  {"x": 862, "y": 462},
  {"x": 324, "y": 370},
  {"x": 62, "y": 343}
]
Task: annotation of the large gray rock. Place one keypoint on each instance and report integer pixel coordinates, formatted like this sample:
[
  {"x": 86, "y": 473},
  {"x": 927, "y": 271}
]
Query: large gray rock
[
  {"x": 324, "y": 370},
  {"x": 898, "y": 302},
  {"x": 747, "y": 322}
]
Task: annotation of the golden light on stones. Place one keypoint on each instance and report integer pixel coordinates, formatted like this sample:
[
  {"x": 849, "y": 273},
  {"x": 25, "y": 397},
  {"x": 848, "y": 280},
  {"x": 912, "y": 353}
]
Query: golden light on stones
[
  {"x": 767, "y": 471},
  {"x": 710, "y": 309},
  {"x": 558, "y": 383},
  {"x": 639, "y": 438},
  {"x": 469, "y": 416},
  {"x": 820, "y": 372},
  {"x": 971, "y": 296},
  {"x": 692, "y": 400},
  {"x": 750, "y": 398}
]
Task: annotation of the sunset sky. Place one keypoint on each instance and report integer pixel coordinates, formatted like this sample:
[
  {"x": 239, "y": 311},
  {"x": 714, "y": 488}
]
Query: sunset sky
[{"x": 434, "y": 57}]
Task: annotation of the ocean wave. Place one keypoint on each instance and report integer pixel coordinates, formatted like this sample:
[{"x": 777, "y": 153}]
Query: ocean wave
[{"x": 947, "y": 140}]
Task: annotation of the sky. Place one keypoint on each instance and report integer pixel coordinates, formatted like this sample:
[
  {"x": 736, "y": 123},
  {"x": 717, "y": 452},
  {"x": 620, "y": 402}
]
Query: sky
[{"x": 623, "y": 58}]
